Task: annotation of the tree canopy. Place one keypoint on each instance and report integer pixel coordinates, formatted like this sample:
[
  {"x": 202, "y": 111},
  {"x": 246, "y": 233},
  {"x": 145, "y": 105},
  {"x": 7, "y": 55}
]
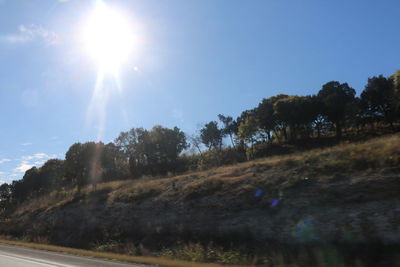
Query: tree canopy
[{"x": 278, "y": 119}]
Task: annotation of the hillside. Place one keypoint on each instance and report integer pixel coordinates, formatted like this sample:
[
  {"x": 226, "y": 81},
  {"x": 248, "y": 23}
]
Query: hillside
[{"x": 343, "y": 197}]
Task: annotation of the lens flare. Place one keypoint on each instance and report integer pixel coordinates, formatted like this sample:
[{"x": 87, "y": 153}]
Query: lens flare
[{"x": 108, "y": 37}]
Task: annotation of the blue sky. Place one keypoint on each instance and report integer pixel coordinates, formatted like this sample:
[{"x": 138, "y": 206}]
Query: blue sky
[{"x": 194, "y": 59}]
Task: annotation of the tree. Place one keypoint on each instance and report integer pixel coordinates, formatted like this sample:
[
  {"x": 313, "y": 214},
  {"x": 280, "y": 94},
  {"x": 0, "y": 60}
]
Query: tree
[
  {"x": 129, "y": 144},
  {"x": 195, "y": 140},
  {"x": 320, "y": 124},
  {"x": 266, "y": 116},
  {"x": 336, "y": 99},
  {"x": 83, "y": 163},
  {"x": 396, "y": 81},
  {"x": 168, "y": 144},
  {"x": 378, "y": 99},
  {"x": 114, "y": 164},
  {"x": 52, "y": 174},
  {"x": 296, "y": 113},
  {"x": 396, "y": 85},
  {"x": 20, "y": 191},
  {"x": 247, "y": 133},
  {"x": 5, "y": 196},
  {"x": 211, "y": 136},
  {"x": 152, "y": 152},
  {"x": 33, "y": 181},
  {"x": 230, "y": 127}
]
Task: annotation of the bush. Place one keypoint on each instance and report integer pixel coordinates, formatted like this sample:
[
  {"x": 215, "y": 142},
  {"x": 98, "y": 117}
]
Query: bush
[
  {"x": 215, "y": 158},
  {"x": 210, "y": 253},
  {"x": 265, "y": 150}
]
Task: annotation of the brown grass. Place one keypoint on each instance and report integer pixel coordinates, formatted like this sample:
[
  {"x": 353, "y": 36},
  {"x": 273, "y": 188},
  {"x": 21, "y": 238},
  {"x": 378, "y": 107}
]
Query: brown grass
[
  {"x": 362, "y": 160},
  {"x": 376, "y": 155}
]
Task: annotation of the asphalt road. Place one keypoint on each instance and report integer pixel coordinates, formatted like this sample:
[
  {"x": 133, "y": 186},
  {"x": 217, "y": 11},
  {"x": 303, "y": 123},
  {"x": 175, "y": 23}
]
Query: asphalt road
[{"x": 14, "y": 256}]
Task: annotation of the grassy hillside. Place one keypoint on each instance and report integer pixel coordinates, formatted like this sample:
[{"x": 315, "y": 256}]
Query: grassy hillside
[
  {"x": 370, "y": 159},
  {"x": 258, "y": 211}
]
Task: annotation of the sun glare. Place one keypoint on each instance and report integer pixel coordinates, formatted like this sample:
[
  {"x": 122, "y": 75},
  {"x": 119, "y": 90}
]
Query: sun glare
[{"x": 108, "y": 37}]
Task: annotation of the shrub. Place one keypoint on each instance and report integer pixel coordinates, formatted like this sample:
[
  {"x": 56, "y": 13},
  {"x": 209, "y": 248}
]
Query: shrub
[
  {"x": 215, "y": 158},
  {"x": 210, "y": 253}
]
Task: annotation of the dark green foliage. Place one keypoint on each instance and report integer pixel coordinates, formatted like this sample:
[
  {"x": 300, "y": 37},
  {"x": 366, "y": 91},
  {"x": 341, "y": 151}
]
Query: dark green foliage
[
  {"x": 279, "y": 124},
  {"x": 154, "y": 152},
  {"x": 215, "y": 158},
  {"x": 82, "y": 163},
  {"x": 337, "y": 99},
  {"x": 230, "y": 127},
  {"x": 91, "y": 163},
  {"x": 296, "y": 113},
  {"x": 211, "y": 136},
  {"x": 378, "y": 99},
  {"x": 5, "y": 196},
  {"x": 52, "y": 174}
]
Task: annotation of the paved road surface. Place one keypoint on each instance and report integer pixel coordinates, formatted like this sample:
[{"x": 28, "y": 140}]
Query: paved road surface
[{"x": 13, "y": 256}]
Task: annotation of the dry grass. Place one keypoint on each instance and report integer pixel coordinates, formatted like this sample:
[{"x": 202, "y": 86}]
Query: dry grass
[
  {"x": 64, "y": 196},
  {"x": 363, "y": 160},
  {"x": 136, "y": 192},
  {"x": 376, "y": 155},
  {"x": 113, "y": 256}
]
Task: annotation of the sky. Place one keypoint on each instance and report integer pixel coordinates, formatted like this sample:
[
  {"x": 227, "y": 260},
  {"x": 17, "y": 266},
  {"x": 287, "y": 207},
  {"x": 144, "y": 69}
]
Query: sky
[{"x": 191, "y": 60}]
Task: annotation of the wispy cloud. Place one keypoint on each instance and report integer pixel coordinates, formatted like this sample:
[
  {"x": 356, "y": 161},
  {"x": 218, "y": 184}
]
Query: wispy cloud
[
  {"x": 36, "y": 156},
  {"x": 23, "y": 167},
  {"x": 26, "y": 144},
  {"x": 31, "y": 32},
  {"x": 30, "y": 161},
  {"x": 4, "y": 160}
]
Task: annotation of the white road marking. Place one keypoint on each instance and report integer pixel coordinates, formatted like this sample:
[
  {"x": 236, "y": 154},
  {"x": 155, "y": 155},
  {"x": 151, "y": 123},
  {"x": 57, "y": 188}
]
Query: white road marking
[{"x": 34, "y": 260}]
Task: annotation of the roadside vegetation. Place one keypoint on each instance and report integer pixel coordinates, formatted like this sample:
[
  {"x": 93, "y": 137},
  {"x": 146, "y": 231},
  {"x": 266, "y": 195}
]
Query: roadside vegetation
[
  {"x": 376, "y": 156},
  {"x": 284, "y": 144},
  {"x": 280, "y": 124}
]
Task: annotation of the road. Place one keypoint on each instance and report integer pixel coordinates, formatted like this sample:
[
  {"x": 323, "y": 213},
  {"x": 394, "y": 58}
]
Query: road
[{"x": 14, "y": 256}]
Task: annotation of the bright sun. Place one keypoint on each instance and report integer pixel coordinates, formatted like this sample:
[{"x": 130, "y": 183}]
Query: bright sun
[{"x": 108, "y": 37}]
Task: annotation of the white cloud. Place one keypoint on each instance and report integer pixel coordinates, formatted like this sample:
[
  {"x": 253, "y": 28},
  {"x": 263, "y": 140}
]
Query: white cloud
[
  {"x": 4, "y": 160},
  {"x": 39, "y": 162},
  {"x": 30, "y": 161},
  {"x": 23, "y": 167},
  {"x": 35, "y": 156},
  {"x": 31, "y": 32}
]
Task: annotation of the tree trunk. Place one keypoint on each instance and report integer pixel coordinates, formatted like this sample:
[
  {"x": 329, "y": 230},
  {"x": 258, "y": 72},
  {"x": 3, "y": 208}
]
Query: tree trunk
[
  {"x": 269, "y": 135},
  {"x": 233, "y": 143}
]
